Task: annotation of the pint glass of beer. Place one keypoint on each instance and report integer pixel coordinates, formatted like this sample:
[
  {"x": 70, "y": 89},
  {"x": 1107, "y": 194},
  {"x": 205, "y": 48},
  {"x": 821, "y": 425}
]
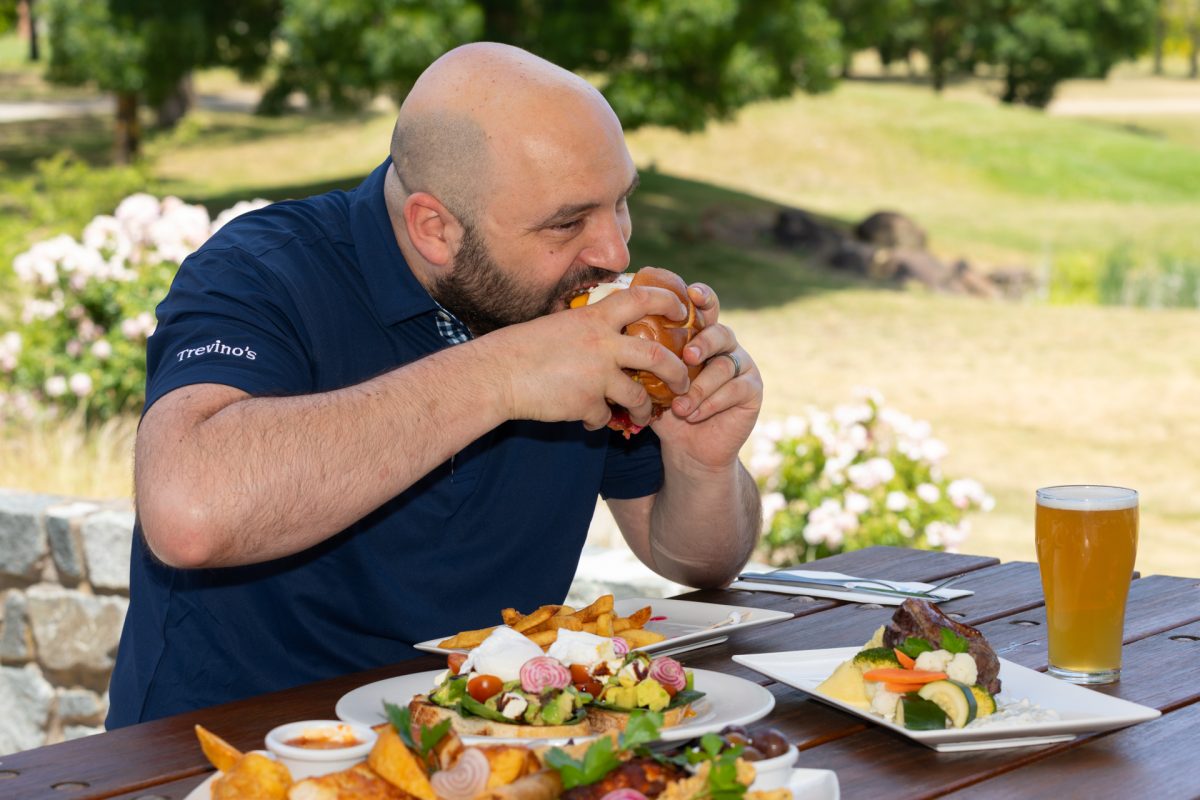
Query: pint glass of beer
[{"x": 1086, "y": 543}]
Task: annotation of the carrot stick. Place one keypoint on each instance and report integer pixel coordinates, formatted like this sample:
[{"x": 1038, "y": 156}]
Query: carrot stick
[
  {"x": 903, "y": 658},
  {"x": 902, "y": 688},
  {"x": 907, "y": 676}
]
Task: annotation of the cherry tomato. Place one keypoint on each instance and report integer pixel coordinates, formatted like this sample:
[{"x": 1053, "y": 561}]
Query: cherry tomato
[
  {"x": 593, "y": 687},
  {"x": 580, "y": 674},
  {"x": 670, "y": 690},
  {"x": 481, "y": 687},
  {"x": 454, "y": 661}
]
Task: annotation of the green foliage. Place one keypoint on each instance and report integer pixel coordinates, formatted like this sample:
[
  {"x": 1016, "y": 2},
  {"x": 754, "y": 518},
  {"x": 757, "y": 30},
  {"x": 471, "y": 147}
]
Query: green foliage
[
  {"x": 668, "y": 62},
  {"x": 862, "y": 476},
  {"x": 1039, "y": 43}
]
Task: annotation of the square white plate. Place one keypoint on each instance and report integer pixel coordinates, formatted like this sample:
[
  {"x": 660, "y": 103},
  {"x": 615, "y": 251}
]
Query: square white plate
[
  {"x": 686, "y": 623},
  {"x": 1079, "y": 710}
]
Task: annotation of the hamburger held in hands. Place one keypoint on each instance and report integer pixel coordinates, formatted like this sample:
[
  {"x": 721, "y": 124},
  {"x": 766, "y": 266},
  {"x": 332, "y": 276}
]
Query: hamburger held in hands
[{"x": 672, "y": 334}]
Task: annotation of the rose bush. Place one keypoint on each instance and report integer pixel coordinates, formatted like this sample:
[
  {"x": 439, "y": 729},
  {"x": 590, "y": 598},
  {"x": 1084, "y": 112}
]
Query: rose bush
[
  {"x": 87, "y": 307},
  {"x": 861, "y": 475}
]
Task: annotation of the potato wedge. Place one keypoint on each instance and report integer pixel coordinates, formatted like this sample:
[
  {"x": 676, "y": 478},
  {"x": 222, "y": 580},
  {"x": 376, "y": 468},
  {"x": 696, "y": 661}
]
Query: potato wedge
[
  {"x": 509, "y": 762},
  {"x": 639, "y": 618},
  {"x": 397, "y": 765},
  {"x": 544, "y": 639},
  {"x": 220, "y": 753},
  {"x": 604, "y": 625}
]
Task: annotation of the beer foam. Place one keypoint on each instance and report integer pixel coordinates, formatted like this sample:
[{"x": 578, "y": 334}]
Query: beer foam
[{"x": 1087, "y": 498}]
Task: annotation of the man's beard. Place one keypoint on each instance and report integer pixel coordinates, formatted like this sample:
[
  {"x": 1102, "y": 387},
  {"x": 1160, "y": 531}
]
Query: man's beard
[{"x": 485, "y": 298}]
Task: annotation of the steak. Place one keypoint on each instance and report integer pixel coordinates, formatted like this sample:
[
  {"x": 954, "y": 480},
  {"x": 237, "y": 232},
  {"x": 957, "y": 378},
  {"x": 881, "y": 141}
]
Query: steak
[{"x": 925, "y": 620}]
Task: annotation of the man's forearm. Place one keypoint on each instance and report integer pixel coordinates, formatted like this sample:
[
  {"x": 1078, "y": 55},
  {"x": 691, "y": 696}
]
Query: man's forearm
[
  {"x": 261, "y": 478},
  {"x": 704, "y": 525}
]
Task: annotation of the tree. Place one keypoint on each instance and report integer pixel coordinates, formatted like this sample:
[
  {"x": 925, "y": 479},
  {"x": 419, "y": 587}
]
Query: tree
[
  {"x": 882, "y": 24},
  {"x": 670, "y": 62},
  {"x": 1039, "y": 43},
  {"x": 141, "y": 50}
]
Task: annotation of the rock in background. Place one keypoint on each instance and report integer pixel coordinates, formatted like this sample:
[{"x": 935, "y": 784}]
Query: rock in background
[
  {"x": 64, "y": 588},
  {"x": 890, "y": 247}
]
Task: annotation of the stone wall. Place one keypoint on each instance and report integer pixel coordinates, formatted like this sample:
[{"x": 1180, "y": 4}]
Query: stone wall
[{"x": 64, "y": 588}]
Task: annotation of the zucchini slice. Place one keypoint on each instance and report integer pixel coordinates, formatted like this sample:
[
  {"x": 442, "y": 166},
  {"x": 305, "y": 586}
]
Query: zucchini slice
[
  {"x": 985, "y": 701},
  {"x": 956, "y": 699}
]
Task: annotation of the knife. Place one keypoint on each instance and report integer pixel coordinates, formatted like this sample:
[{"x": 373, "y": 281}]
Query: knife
[{"x": 846, "y": 584}]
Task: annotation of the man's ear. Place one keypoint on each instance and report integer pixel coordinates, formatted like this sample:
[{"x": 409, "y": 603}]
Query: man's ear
[{"x": 432, "y": 229}]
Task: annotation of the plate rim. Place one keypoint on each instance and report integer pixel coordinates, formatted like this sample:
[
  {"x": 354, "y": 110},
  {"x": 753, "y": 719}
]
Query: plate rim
[
  {"x": 765, "y": 706},
  {"x": 768, "y": 615},
  {"x": 1137, "y": 712}
]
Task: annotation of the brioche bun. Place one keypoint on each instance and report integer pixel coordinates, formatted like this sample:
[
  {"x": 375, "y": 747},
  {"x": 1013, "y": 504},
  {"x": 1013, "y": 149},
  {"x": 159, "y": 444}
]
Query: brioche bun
[{"x": 672, "y": 334}]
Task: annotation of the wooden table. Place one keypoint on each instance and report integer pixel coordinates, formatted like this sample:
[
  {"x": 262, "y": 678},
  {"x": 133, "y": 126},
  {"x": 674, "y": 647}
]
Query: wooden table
[{"x": 1157, "y": 759}]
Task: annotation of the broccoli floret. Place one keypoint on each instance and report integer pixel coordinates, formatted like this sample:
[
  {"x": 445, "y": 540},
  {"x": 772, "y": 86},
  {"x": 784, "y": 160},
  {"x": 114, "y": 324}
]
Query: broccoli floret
[{"x": 876, "y": 658}]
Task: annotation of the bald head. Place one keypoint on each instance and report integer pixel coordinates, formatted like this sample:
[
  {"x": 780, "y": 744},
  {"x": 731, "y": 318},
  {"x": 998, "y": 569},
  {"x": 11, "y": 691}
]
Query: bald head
[{"x": 481, "y": 105}]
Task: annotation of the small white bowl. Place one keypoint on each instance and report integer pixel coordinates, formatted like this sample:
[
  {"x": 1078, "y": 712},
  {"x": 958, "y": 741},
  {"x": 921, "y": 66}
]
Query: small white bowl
[
  {"x": 306, "y": 762},
  {"x": 774, "y": 773}
]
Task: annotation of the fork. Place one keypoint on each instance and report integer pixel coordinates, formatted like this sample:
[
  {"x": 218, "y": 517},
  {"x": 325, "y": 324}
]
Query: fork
[{"x": 850, "y": 584}]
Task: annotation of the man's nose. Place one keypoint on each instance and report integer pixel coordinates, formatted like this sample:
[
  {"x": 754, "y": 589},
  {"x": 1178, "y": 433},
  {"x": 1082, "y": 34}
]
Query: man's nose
[{"x": 609, "y": 248}]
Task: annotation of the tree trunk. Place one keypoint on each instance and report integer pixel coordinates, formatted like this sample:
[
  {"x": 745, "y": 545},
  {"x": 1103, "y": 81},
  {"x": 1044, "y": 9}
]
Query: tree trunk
[
  {"x": 27, "y": 27},
  {"x": 127, "y": 139},
  {"x": 176, "y": 104},
  {"x": 1160, "y": 35},
  {"x": 1194, "y": 37}
]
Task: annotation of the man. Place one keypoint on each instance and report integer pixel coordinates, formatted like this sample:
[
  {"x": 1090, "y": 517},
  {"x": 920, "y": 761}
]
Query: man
[{"x": 362, "y": 424}]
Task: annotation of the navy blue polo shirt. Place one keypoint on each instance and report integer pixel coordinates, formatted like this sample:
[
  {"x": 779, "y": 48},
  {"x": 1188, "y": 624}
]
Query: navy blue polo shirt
[{"x": 309, "y": 296}]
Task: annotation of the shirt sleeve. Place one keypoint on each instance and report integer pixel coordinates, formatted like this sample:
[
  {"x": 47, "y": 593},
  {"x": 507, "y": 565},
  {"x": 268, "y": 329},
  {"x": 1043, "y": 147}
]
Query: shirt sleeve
[
  {"x": 633, "y": 467},
  {"x": 227, "y": 320}
]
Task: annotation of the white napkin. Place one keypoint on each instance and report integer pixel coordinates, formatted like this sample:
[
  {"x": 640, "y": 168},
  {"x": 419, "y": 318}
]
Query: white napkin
[{"x": 849, "y": 594}]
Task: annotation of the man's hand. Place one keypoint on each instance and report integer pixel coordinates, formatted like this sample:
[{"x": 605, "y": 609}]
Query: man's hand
[
  {"x": 712, "y": 421},
  {"x": 566, "y": 366}
]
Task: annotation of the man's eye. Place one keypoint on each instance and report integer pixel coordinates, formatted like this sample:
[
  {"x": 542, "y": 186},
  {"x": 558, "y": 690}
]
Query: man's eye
[{"x": 567, "y": 226}]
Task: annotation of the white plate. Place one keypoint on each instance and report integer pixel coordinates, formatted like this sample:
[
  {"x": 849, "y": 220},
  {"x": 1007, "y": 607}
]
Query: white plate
[
  {"x": 686, "y": 623},
  {"x": 809, "y": 784},
  {"x": 728, "y": 700},
  {"x": 1080, "y": 710}
]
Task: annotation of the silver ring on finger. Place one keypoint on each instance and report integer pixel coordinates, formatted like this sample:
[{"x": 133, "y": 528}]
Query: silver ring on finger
[{"x": 737, "y": 365}]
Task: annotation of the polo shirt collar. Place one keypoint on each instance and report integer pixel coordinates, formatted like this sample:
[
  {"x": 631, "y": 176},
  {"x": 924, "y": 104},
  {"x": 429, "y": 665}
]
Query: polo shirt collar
[{"x": 395, "y": 291}]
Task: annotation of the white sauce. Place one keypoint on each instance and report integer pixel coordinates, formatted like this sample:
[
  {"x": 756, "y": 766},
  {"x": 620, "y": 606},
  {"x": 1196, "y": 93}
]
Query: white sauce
[{"x": 1012, "y": 714}]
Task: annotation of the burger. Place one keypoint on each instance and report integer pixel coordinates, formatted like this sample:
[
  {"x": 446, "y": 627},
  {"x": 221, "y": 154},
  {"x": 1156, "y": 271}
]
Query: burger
[{"x": 672, "y": 334}]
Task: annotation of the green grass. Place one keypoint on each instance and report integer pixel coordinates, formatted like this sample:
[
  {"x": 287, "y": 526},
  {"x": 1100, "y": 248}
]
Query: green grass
[{"x": 997, "y": 185}]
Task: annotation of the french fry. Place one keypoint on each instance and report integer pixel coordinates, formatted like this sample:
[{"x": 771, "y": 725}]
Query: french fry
[
  {"x": 531, "y": 621},
  {"x": 640, "y": 637},
  {"x": 467, "y": 639},
  {"x": 589, "y": 627},
  {"x": 604, "y": 625},
  {"x": 544, "y": 639},
  {"x": 511, "y": 616},
  {"x": 564, "y": 611},
  {"x": 564, "y": 623},
  {"x": 220, "y": 753},
  {"x": 603, "y": 605}
]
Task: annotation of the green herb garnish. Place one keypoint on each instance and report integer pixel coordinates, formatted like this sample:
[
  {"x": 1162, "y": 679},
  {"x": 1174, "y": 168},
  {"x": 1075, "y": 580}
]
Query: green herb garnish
[
  {"x": 954, "y": 643},
  {"x": 914, "y": 646},
  {"x": 401, "y": 720},
  {"x": 600, "y": 758}
]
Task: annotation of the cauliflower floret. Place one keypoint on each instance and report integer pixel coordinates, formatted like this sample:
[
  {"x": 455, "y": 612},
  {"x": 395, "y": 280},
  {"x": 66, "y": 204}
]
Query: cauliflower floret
[
  {"x": 962, "y": 668},
  {"x": 884, "y": 703},
  {"x": 934, "y": 660}
]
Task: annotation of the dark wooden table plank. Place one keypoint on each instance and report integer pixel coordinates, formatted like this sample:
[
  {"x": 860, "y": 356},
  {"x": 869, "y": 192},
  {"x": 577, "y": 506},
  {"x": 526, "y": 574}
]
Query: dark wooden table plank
[
  {"x": 162, "y": 758},
  {"x": 1155, "y": 759}
]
